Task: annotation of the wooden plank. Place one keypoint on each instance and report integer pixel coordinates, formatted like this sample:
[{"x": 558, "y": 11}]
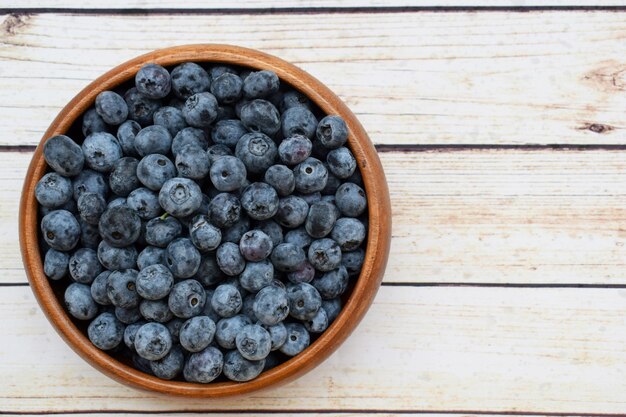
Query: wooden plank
[
  {"x": 430, "y": 349},
  {"x": 436, "y": 78},
  {"x": 326, "y": 413},
  {"x": 496, "y": 216}
]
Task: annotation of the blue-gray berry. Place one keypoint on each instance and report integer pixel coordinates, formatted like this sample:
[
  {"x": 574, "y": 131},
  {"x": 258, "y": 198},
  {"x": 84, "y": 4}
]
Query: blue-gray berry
[
  {"x": 332, "y": 132},
  {"x": 349, "y": 233},
  {"x": 304, "y": 300},
  {"x": 228, "y": 132},
  {"x": 153, "y": 139},
  {"x": 189, "y": 136},
  {"x": 320, "y": 219},
  {"x": 341, "y": 162},
  {"x": 153, "y": 81},
  {"x": 53, "y": 190},
  {"x": 332, "y": 308},
  {"x": 63, "y": 155},
  {"x": 187, "y": 299},
  {"x": 182, "y": 258},
  {"x": 154, "y": 282},
  {"x": 298, "y": 339},
  {"x": 150, "y": 255},
  {"x": 239, "y": 369},
  {"x": 101, "y": 150},
  {"x": 84, "y": 265},
  {"x": 305, "y": 273},
  {"x": 257, "y": 152},
  {"x": 203, "y": 234},
  {"x": 123, "y": 177},
  {"x": 229, "y": 259},
  {"x": 287, "y": 257},
  {"x": 145, "y": 203},
  {"x": 153, "y": 341},
  {"x": 257, "y": 275},
  {"x": 216, "y": 151},
  {"x": 180, "y": 197},
  {"x": 197, "y": 333},
  {"x": 292, "y": 211},
  {"x": 111, "y": 107},
  {"x": 128, "y": 315},
  {"x": 55, "y": 264},
  {"x": 89, "y": 181},
  {"x": 121, "y": 288},
  {"x": 155, "y": 310},
  {"x": 192, "y": 162},
  {"x": 79, "y": 302},
  {"x": 260, "y": 116},
  {"x": 353, "y": 261},
  {"x": 204, "y": 366},
  {"x": 318, "y": 323},
  {"x": 227, "y": 329},
  {"x": 170, "y": 365},
  {"x": 255, "y": 245},
  {"x": 294, "y": 98},
  {"x": 224, "y": 210},
  {"x": 105, "y": 331},
  {"x": 271, "y": 305},
  {"x": 129, "y": 334},
  {"x": 324, "y": 254},
  {"x": 295, "y": 149},
  {"x": 90, "y": 207},
  {"x": 114, "y": 258},
  {"x": 332, "y": 284},
  {"x": 120, "y": 226},
  {"x": 226, "y": 300},
  {"x": 228, "y": 173},
  {"x": 259, "y": 84},
  {"x": 227, "y": 88},
  {"x": 298, "y": 120},
  {"x": 351, "y": 199},
  {"x": 99, "y": 289},
  {"x": 209, "y": 272},
  {"x": 200, "y": 110},
  {"x": 281, "y": 178},
  {"x": 160, "y": 231},
  {"x": 299, "y": 237},
  {"x": 126, "y": 133},
  {"x": 60, "y": 230},
  {"x": 310, "y": 176},
  {"x": 188, "y": 79},
  {"x": 170, "y": 118},
  {"x": 253, "y": 342},
  {"x": 140, "y": 108},
  {"x": 93, "y": 123}
]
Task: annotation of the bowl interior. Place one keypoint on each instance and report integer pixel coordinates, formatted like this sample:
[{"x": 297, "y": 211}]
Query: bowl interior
[{"x": 356, "y": 299}]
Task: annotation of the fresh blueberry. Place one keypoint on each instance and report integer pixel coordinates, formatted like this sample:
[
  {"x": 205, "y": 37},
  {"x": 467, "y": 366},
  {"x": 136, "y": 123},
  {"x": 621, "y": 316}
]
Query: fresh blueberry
[
  {"x": 154, "y": 282},
  {"x": 228, "y": 328},
  {"x": 200, "y": 110},
  {"x": 53, "y": 190},
  {"x": 332, "y": 184},
  {"x": 351, "y": 199},
  {"x": 55, "y": 264},
  {"x": 332, "y": 308},
  {"x": 174, "y": 326},
  {"x": 209, "y": 272},
  {"x": 114, "y": 258},
  {"x": 278, "y": 335},
  {"x": 257, "y": 152},
  {"x": 123, "y": 177},
  {"x": 182, "y": 258},
  {"x": 140, "y": 108},
  {"x": 311, "y": 176},
  {"x": 273, "y": 230},
  {"x": 271, "y": 305},
  {"x": 298, "y": 121},
  {"x": 298, "y": 339},
  {"x": 111, "y": 107},
  {"x": 281, "y": 178},
  {"x": 120, "y": 226},
  {"x": 153, "y": 139},
  {"x": 150, "y": 255},
  {"x": 257, "y": 275},
  {"x": 91, "y": 206},
  {"x": 226, "y": 300},
  {"x": 255, "y": 245},
  {"x": 208, "y": 308},
  {"x": 305, "y": 273},
  {"x": 63, "y": 155},
  {"x": 292, "y": 211},
  {"x": 129, "y": 315},
  {"x": 121, "y": 288},
  {"x": 89, "y": 234},
  {"x": 228, "y": 132},
  {"x": 170, "y": 118},
  {"x": 60, "y": 230},
  {"x": 144, "y": 202},
  {"x": 332, "y": 284},
  {"x": 169, "y": 366},
  {"x": 197, "y": 333},
  {"x": 332, "y": 132},
  {"x": 293, "y": 98},
  {"x": 324, "y": 254},
  {"x": 155, "y": 310},
  {"x": 320, "y": 219},
  {"x": 180, "y": 197},
  {"x": 187, "y": 299},
  {"x": 89, "y": 181},
  {"x": 295, "y": 149},
  {"x": 353, "y": 261},
  {"x": 203, "y": 234},
  {"x": 253, "y": 342},
  {"x": 116, "y": 202},
  {"x": 349, "y": 233},
  {"x": 239, "y": 369},
  {"x": 204, "y": 366},
  {"x": 227, "y": 88},
  {"x": 126, "y": 136},
  {"x": 189, "y": 79},
  {"x": 84, "y": 265},
  {"x": 224, "y": 210},
  {"x": 105, "y": 331},
  {"x": 304, "y": 300},
  {"x": 192, "y": 162},
  {"x": 79, "y": 302},
  {"x": 101, "y": 151},
  {"x": 153, "y": 341},
  {"x": 99, "y": 289},
  {"x": 153, "y": 81},
  {"x": 216, "y": 151},
  {"x": 93, "y": 123},
  {"x": 129, "y": 334},
  {"x": 287, "y": 257},
  {"x": 229, "y": 259},
  {"x": 228, "y": 173},
  {"x": 318, "y": 323},
  {"x": 299, "y": 237},
  {"x": 260, "y": 116},
  {"x": 160, "y": 231},
  {"x": 189, "y": 136},
  {"x": 235, "y": 232},
  {"x": 341, "y": 162},
  {"x": 260, "y": 84}
]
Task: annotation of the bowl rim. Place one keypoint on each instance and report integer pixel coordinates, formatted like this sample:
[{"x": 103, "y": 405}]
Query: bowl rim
[{"x": 367, "y": 284}]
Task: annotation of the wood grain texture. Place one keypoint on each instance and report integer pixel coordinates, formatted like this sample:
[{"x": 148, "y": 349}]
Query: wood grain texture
[
  {"x": 434, "y": 78},
  {"x": 431, "y": 349},
  {"x": 497, "y": 216}
]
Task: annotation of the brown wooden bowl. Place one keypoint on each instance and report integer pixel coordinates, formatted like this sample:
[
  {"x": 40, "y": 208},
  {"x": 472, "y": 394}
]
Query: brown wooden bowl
[{"x": 357, "y": 302}]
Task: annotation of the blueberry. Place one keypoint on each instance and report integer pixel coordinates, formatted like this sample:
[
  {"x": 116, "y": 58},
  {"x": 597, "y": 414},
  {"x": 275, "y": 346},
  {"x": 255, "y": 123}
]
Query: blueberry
[
  {"x": 63, "y": 155},
  {"x": 273, "y": 230},
  {"x": 91, "y": 206},
  {"x": 260, "y": 201},
  {"x": 189, "y": 79},
  {"x": 318, "y": 323},
  {"x": 353, "y": 261},
  {"x": 93, "y": 123},
  {"x": 203, "y": 234},
  {"x": 332, "y": 132},
  {"x": 260, "y": 84},
  {"x": 180, "y": 197},
  {"x": 120, "y": 226},
  {"x": 79, "y": 302},
  {"x": 84, "y": 265},
  {"x": 208, "y": 308},
  {"x": 129, "y": 315},
  {"x": 153, "y": 81},
  {"x": 187, "y": 299},
  {"x": 227, "y": 88},
  {"x": 105, "y": 331},
  {"x": 111, "y": 107},
  {"x": 292, "y": 211},
  {"x": 89, "y": 181},
  {"x": 144, "y": 202},
  {"x": 141, "y": 364},
  {"x": 287, "y": 257},
  {"x": 228, "y": 328},
  {"x": 228, "y": 132},
  {"x": 332, "y": 284},
  {"x": 154, "y": 282},
  {"x": 224, "y": 210},
  {"x": 294, "y": 98},
  {"x": 174, "y": 326},
  {"x": 192, "y": 162},
  {"x": 126, "y": 133},
  {"x": 255, "y": 245},
  {"x": 140, "y": 108},
  {"x": 209, "y": 272},
  {"x": 55, "y": 264},
  {"x": 121, "y": 288},
  {"x": 189, "y": 136},
  {"x": 298, "y": 339},
  {"x": 53, "y": 190},
  {"x": 304, "y": 300},
  {"x": 169, "y": 366},
  {"x": 197, "y": 333},
  {"x": 160, "y": 231},
  {"x": 351, "y": 199},
  {"x": 151, "y": 255},
  {"x": 226, "y": 300},
  {"x": 253, "y": 342},
  {"x": 99, "y": 289},
  {"x": 116, "y": 202},
  {"x": 235, "y": 232},
  {"x": 278, "y": 335},
  {"x": 229, "y": 259},
  {"x": 311, "y": 176},
  {"x": 218, "y": 70},
  {"x": 295, "y": 149},
  {"x": 114, "y": 258},
  {"x": 257, "y": 152},
  {"x": 155, "y": 310},
  {"x": 123, "y": 177},
  {"x": 228, "y": 173},
  {"x": 170, "y": 118},
  {"x": 239, "y": 369},
  {"x": 153, "y": 341},
  {"x": 349, "y": 233},
  {"x": 341, "y": 162},
  {"x": 299, "y": 237},
  {"x": 305, "y": 273},
  {"x": 129, "y": 334},
  {"x": 332, "y": 184},
  {"x": 298, "y": 121},
  {"x": 204, "y": 366},
  {"x": 200, "y": 110},
  {"x": 101, "y": 151},
  {"x": 60, "y": 230},
  {"x": 281, "y": 178},
  {"x": 320, "y": 219},
  {"x": 153, "y": 139},
  {"x": 216, "y": 151},
  {"x": 260, "y": 116},
  {"x": 271, "y": 305},
  {"x": 257, "y": 275},
  {"x": 182, "y": 258},
  {"x": 332, "y": 308},
  {"x": 324, "y": 254}
]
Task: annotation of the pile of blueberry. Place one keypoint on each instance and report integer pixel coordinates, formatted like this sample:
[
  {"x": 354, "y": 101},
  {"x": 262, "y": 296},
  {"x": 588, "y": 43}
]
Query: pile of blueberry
[{"x": 204, "y": 223}]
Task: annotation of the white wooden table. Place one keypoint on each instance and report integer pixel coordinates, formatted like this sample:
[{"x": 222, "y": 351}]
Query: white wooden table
[{"x": 502, "y": 130}]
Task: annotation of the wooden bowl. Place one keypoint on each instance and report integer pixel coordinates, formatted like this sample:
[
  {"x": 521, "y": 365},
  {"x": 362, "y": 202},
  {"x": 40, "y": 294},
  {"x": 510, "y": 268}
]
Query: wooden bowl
[{"x": 358, "y": 301}]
